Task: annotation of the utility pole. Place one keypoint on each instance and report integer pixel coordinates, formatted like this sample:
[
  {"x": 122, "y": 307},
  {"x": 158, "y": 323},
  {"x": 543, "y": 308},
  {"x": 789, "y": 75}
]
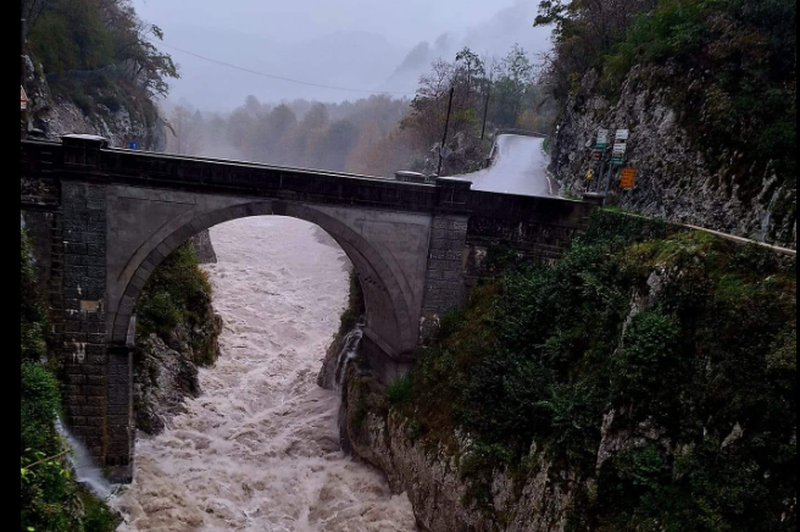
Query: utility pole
[
  {"x": 22, "y": 51},
  {"x": 608, "y": 183},
  {"x": 23, "y": 76},
  {"x": 446, "y": 126},
  {"x": 486, "y": 110}
]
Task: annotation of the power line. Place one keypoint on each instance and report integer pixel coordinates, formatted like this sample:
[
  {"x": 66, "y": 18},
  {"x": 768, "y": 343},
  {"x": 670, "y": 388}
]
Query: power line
[{"x": 281, "y": 78}]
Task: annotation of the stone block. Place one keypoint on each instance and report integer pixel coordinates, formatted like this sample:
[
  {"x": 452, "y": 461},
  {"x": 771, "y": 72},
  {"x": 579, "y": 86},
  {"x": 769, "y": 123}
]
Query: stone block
[
  {"x": 94, "y": 238},
  {"x": 92, "y": 369},
  {"x": 96, "y": 249},
  {"x": 96, "y": 226},
  {"x": 76, "y": 379},
  {"x": 119, "y": 409},
  {"x": 93, "y": 410},
  {"x": 93, "y": 327}
]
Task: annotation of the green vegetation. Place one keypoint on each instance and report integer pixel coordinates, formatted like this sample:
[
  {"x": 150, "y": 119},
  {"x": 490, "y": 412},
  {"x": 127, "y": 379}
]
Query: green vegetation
[
  {"x": 729, "y": 65},
  {"x": 679, "y": 338},
  {"x": 51, "y": 501},
  {"x": 178, "y": 294},
  {"x": 355, "y": 306},
  {"x": 98, "y": 51},
  {"x": 509, "y": 86},
  {"x": 747, "y": 49}
]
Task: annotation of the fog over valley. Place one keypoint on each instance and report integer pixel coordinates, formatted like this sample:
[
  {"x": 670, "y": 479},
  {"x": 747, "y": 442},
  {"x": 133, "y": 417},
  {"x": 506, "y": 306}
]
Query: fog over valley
[{"x": 354, "y": 44}]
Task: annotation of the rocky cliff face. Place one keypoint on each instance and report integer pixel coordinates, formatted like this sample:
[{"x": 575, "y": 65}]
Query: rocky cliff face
[
  {"x": 433, "y": 476},
  {"x": 165, "y": 373},
  {"x": 677, "y": 179},
  {"x": 105, "y": 109},
  {"x": 457, "y": 483},
  {"x": 201, "y": 242}
]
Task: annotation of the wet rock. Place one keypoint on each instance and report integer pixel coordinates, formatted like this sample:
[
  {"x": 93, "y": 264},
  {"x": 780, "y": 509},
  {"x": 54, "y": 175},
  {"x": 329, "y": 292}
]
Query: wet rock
[
  {"x": 432, "y": 476},
  {"x": 675, "y": 180},
  {"x": 163, "y": 378},
  {"x": 129, "y": 118},
  {"x": 203, "y": 247}
]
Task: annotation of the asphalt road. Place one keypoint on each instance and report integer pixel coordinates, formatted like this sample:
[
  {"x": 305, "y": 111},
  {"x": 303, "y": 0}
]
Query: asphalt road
[{"x": 520, "y": 167}]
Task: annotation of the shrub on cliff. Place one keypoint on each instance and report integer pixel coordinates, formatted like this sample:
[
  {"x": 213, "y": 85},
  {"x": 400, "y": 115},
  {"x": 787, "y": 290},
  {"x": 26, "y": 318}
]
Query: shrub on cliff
[
  {"x": 660, "y": 366},
  {"x": 178, "y": 296}
]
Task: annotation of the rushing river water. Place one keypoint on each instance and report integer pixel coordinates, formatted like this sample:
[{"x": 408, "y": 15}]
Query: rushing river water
[{"x": 259, "y": 450}]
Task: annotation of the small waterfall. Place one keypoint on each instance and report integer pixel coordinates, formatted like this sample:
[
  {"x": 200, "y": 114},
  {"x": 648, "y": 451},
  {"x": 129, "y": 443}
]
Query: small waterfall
[
  {"x": 348, "y": 353},
  {"x": 768, "y": 217},
  {"x": 86, "y": 472}
]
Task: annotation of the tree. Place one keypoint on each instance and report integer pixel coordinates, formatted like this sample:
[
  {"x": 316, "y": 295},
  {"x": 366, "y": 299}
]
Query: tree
[
  {"x": 185, "y": 131},
  {"x": 339, "y": 140},
  {"x": 515, "y": 77},
  {"x": 583, "y": 31}
]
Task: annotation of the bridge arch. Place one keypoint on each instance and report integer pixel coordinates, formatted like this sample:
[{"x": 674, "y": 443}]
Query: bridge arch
[{"x": 388, "y": 314}]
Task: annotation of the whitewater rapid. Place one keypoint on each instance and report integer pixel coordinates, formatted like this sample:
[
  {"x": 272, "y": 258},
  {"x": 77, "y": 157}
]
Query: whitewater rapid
[{"x": 259, "y": 450}]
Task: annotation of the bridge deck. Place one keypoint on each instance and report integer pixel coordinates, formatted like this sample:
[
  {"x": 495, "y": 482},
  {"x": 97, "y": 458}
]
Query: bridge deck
[{"x": 88, "y": 161}]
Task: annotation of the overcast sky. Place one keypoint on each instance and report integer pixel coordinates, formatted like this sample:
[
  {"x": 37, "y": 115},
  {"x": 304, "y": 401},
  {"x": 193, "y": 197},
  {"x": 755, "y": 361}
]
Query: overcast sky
[
  {"x": 402, "y": 22},
  {"x": 344, "y": 43}
]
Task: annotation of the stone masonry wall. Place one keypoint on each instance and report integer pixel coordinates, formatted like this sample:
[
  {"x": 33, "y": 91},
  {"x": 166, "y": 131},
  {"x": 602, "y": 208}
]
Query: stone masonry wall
[
  {"x": 444, "y": 279},
  {"x": 81, "y": 336},
  {"x": 534, "y": 242}
]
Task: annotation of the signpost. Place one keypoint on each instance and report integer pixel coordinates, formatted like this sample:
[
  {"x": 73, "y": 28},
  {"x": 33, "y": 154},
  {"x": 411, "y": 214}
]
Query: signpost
[
  {"x": 602, "y": 139},
  {"x": 621, "y": 137},
  {"x": 599, "y": 151},
  {"x": 628, "y": 178}
]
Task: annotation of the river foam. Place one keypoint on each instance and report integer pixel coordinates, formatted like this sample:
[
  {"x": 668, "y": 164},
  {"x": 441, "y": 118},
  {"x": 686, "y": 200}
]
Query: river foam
[{"x": 259, "y": 451}]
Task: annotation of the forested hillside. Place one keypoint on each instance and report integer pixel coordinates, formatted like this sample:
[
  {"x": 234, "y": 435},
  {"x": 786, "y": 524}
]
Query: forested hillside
[
  {"x": 91, "y": 66},
  {"x": 708, "y": 89},
  {"x": 379, "y": 135}
]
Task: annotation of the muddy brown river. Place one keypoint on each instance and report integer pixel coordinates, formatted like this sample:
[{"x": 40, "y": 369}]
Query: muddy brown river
[{"x": 259, "y": 450}]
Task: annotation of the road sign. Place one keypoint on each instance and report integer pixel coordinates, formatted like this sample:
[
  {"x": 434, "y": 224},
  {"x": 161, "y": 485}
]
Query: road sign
[
  {"x": 622, "y": 134},
  {"x": 445, "y": 152},
  {"x": 133, "y": 146},
  {"x": 602, "y": 137},
  {"x": 618, "y": 161},
  {"x": 597, "y": 155},
  {"x": 23, "y": 98},
  {"x": 590, "y": 174},
  {"x": 628, "y": 178},
  {"x": 620, "y": 147}
]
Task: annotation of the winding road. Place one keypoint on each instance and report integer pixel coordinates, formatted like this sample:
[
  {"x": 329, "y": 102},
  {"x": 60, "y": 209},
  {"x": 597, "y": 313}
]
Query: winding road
[{"x": 520, "y": 167}]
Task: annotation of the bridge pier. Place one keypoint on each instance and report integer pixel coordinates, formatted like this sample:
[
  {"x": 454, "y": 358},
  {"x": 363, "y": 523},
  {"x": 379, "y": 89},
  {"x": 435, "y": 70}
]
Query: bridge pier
[{"x": 120, "y": 421}]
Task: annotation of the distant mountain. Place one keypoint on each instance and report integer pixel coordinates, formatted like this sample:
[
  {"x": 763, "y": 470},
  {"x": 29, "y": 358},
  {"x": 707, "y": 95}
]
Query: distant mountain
[
  {"x": 354, "y": 59},
  {"x": 512, "y": 25}
]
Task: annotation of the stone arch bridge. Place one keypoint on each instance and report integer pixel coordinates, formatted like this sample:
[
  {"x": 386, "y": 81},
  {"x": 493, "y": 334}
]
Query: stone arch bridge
[{"x": 102, "y": 220}]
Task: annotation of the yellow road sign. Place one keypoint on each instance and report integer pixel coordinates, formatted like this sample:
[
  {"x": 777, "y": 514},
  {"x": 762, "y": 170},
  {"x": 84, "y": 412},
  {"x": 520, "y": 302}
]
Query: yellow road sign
[
  {"x": 590, "y": 174},
  {"x": 628, "y": 178}
]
